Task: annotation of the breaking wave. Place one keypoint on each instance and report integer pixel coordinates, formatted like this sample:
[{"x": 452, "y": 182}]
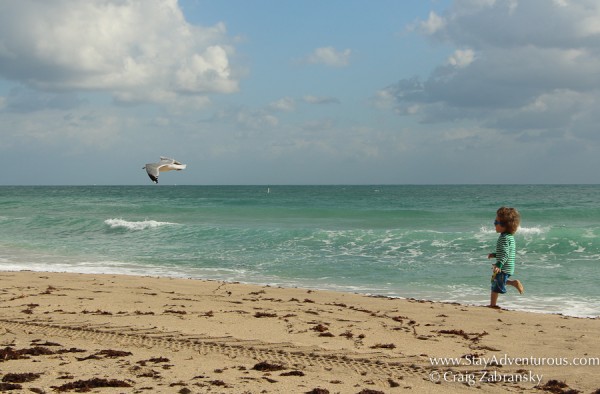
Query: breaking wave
[{"x": 136, "y": 226}]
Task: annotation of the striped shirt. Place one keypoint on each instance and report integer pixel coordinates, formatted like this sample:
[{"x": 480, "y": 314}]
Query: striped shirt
[{"x": 505, "y": 253}]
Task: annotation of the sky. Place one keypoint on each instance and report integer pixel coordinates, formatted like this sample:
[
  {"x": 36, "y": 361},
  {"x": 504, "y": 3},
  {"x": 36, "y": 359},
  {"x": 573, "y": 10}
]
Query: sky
[{"x": 274, "y": 92}]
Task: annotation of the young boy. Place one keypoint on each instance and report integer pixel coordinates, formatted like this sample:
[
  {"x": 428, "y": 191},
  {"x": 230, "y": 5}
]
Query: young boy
[{"x": 507, "y": 222}]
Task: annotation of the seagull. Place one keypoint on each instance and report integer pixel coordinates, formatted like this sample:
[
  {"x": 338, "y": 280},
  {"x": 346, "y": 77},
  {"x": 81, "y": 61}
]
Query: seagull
[{"x": 165, "y": 164}]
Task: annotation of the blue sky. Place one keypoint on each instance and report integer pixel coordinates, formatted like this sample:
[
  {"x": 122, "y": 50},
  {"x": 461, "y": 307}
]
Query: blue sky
[{"x": 300, "y": 92}]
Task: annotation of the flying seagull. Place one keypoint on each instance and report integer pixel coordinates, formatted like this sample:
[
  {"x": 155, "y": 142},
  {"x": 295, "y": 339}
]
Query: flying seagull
[{"x": 165, "y": 164}]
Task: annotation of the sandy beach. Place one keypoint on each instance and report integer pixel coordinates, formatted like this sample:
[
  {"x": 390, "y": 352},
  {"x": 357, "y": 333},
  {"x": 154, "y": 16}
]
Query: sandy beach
[{"x": 126, "y": 334}]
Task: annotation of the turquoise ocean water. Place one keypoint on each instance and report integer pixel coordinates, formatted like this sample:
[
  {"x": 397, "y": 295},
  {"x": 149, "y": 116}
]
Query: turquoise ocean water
[{"x": 426, "y": 242}]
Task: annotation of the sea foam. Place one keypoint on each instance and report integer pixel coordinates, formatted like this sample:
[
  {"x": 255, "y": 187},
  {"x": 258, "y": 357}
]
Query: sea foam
[
  {"x": 536, "y": 230},
  {"x": 135, "y": 226}
]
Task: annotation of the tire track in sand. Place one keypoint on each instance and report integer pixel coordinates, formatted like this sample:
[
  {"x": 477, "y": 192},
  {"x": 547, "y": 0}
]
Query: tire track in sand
[{"x": 278, "y": 353}]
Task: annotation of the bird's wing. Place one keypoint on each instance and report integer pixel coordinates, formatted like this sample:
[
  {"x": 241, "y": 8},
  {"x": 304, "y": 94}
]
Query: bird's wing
[
  {"x": 166, "y": 160},
  {"x": 167, "y": 164},
  {"x": 163, "y": 167},
  {"x": 153, "y": 170}
]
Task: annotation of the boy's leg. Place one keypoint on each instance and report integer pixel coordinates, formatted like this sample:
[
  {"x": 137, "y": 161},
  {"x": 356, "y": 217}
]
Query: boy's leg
[
  {"x": 493, "y": 299},
  {"x": 516, "y": 283},
  {"x": 498, "y": 287}
]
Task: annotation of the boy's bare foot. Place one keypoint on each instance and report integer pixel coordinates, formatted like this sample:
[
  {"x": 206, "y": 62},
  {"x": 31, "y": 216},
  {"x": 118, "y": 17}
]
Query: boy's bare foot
[
  {"x": 519, "y": 286},
  {"x": 494, "y": 306}
]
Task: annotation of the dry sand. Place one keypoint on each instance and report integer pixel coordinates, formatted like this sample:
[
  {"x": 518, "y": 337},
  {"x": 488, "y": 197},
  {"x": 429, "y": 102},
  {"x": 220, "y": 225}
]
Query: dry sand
[{"x": 65, "y": 332}]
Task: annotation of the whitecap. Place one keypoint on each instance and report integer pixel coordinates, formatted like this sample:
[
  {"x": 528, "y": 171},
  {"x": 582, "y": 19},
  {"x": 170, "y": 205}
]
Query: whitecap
[
  {"x": 486, "y": 230},
  {"x": 441, "y": 244},
  {"x": 136, "y": 226},
  {"x": 578, "y": 248},
  {"x": 589, "y": 234},
  {"x": 537, "y": 230}
]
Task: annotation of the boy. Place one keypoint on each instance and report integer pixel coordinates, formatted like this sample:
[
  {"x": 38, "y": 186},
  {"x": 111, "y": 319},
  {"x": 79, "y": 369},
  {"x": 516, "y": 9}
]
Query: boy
[{"x": 507, "y": 222}]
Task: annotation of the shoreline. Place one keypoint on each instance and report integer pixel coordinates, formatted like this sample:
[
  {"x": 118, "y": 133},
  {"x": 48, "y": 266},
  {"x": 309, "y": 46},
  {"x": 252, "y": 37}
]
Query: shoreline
[
  {"x": 314, "y": 288},
  {"x": 235, "y": 337}
]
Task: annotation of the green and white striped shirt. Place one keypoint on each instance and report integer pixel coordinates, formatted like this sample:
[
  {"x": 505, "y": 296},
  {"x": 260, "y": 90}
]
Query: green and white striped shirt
[{"x": 505, "y": 253}]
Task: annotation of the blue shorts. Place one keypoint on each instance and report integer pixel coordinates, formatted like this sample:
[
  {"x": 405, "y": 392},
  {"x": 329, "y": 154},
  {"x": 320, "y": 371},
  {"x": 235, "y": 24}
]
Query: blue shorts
[{"x": 499, "y": 282}]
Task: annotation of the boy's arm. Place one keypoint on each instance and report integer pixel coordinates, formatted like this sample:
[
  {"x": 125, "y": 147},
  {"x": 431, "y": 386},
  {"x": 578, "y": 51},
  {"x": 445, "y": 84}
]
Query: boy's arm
[
  {"x": 494, "y": 266},
  {"x": 501, "y": 252}
]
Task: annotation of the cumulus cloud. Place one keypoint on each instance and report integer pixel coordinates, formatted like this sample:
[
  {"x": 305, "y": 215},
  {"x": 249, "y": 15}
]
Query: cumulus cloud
[
  {"x": 509, "y": 71},
  {"x": 136, "y": 50},
  {"x": 329, "y": 56},
  {"x": 432, "y": 24}
]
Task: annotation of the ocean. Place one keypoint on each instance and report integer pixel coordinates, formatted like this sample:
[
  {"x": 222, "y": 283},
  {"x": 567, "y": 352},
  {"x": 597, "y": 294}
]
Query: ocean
[{"x": 423, "y": 242}]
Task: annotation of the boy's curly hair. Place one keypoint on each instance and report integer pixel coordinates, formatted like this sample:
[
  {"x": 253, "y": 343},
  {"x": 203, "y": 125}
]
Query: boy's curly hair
[{"x": 510, "y": 217}]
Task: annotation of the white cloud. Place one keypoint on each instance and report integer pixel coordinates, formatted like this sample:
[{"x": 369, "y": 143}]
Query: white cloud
[
  {"x": 285, "y": 104},
  {"x": 433, "y": 24},
  {"x": 510, "y": 73},
  {"x": 590, "y": 25},
  {"x": 136, "y": 50},
  {"x": 329, "y": 56},
  {"x": 320, "y": 100},
  {"x": 461, "y": 58}
]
